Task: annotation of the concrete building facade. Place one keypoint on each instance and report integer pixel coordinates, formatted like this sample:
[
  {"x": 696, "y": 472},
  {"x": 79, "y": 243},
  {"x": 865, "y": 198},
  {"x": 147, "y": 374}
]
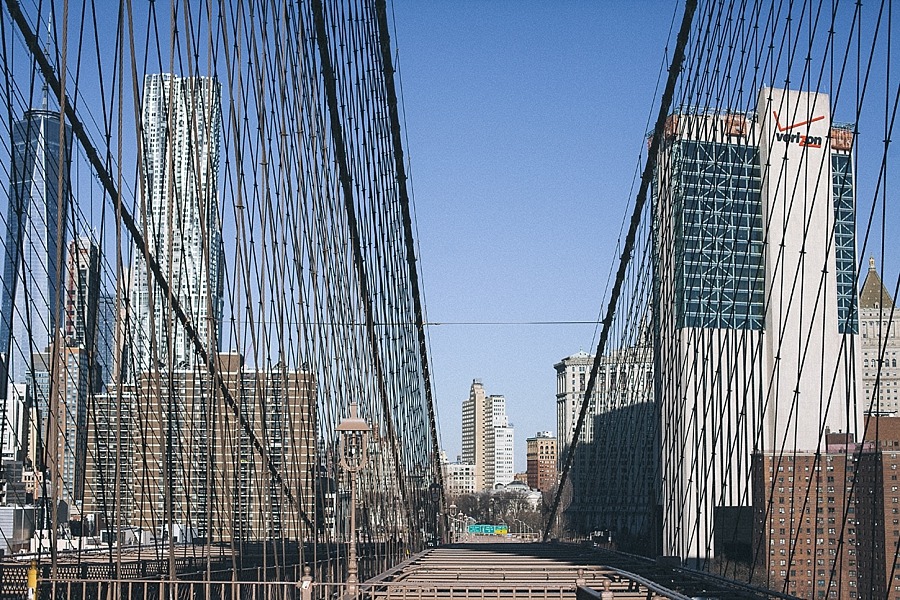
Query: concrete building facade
[
  {"x": 499, "y": 441},
  {"x": 474, "y": 430},
  {"x": 572, "y": 375},
  {"x": 459, "y": 478},
  {"x": 614, "y": 468}
]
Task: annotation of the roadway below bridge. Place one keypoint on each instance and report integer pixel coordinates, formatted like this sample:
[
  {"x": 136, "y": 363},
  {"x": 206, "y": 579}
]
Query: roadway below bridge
[{"x": 548, "y": 572}]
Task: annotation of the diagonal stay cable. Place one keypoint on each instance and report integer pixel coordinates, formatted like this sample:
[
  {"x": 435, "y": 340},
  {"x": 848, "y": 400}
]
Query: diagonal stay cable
[
  {"x": 340, "y": 154},
  {"x": 385, "y": 40},
  {"x": 649, "y": 166},
  {"x": 106, "y": 180}
]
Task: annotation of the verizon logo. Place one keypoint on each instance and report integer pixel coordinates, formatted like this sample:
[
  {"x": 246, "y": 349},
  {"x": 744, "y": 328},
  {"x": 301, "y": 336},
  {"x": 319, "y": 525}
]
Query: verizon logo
[{"x": 808, "y": 141}]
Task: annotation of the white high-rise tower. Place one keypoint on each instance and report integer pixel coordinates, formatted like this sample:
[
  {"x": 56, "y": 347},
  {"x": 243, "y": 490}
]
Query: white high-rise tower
[
  {"x": 488, "y": 437},
  {"x": 181, "y": 127}
]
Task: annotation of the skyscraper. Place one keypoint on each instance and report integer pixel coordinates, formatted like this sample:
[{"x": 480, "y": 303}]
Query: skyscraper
[
  {"x": 180, "y": 129},
  {"x": 192, "y": 468},
  {"x": 487, "y": 438},
  {"x": 572, "y": 374},
  {"x": 611, "y": 482},
  {"x": 82, "y": 292},
  {"x": 59, "y": 389},
  {"x": 32, "y": 303},
  {"x": 499, "y": 439},
  {"x": 115, "y": 441},
  {"x": 473, "y": 431},
  {"x": 104, "y": 344},
  {"x": 753, "y": 245},
  {"x": 15, "y": 420}
]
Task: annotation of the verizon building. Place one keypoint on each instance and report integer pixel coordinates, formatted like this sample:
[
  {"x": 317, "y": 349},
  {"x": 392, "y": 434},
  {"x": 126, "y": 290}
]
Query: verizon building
[{"x": 755, "y": 305}]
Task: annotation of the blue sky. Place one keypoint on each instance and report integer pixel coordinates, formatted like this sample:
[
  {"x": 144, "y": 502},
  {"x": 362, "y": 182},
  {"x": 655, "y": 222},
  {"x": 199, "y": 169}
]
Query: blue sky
[{"x": 524, "y": 122}]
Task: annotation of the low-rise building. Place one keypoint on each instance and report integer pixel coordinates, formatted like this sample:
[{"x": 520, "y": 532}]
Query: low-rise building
[
  {"x": 459, "y": 478},
  {"x": 541, "y": 456}
]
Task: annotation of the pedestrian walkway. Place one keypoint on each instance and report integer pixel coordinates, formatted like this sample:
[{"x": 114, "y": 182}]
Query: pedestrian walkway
[
  {"x": 549, "y": 572},
  {"x": 529, "y": 571}
]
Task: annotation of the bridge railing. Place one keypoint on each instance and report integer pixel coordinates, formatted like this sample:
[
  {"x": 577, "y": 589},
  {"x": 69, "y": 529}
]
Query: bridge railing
[
  {"x": 257, "y": 590},
  {"x": 627, "y": 587}
]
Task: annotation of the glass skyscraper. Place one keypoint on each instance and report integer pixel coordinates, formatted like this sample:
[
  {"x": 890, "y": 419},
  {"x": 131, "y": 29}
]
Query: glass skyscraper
[
  {"x": 718, "y": 219},
  {"x": 32, "y": 304}
]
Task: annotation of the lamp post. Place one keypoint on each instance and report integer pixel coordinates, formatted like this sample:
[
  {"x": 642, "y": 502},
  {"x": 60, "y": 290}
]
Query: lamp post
[
  {"x": 455, "y": 528},
  {"x": 354, "y": 439},
  {"x": 434, "y": 491},
  {"x": 422, "y": 528}
]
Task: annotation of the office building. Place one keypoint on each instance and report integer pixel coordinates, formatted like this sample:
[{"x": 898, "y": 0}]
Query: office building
[
  {"x": 82, "y": 292},
  {"x": 15, "y": 418},
  {"x": 105, "y": 345},
  {"x": 753, "y": 216},
  {"x": 487, "y": 438},
  {"x": 541, "y": 456},
  {"x": 572, "y": 374},
  {"x": 878, "y": 340},
  {"x": 181, "y": 125},
  {"x": 473, "y": 431},
  {"x": 32, "y": 303},
  {"x": 612, "y": 479},
  {"x": 83, "y": 304}
]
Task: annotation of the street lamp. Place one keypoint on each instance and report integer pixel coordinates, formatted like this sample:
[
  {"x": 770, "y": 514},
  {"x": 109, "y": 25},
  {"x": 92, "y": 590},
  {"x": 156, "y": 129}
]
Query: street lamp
[
  {"x": 354, "y": 437},
  {"x": 421, "y": 515},
  {"x": 434, "y": 490},
  {"x": 455, "y": 528}
]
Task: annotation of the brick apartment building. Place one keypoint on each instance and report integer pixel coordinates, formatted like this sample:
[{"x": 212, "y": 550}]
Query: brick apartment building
[{"x": 827, "y": 525}]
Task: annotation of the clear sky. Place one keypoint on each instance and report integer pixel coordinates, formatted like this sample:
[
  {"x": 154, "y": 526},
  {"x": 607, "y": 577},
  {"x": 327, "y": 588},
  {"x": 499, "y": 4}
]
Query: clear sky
[{"x": 524, "y": 122}]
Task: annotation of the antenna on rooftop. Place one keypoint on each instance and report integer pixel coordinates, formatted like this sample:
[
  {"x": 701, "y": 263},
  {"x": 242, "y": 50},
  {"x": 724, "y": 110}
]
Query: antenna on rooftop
[{"x": 45, "y": 88}]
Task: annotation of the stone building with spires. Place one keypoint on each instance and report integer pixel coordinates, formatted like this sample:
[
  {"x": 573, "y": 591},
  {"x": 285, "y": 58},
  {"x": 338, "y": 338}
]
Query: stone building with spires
[{"x": 879, "y": 346}]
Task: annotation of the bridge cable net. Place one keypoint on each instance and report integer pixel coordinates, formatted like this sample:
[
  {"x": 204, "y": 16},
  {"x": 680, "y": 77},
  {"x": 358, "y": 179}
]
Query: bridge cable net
[
  {"x": 739, "y": 412},
  {"x": 208, "y": 257}
]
